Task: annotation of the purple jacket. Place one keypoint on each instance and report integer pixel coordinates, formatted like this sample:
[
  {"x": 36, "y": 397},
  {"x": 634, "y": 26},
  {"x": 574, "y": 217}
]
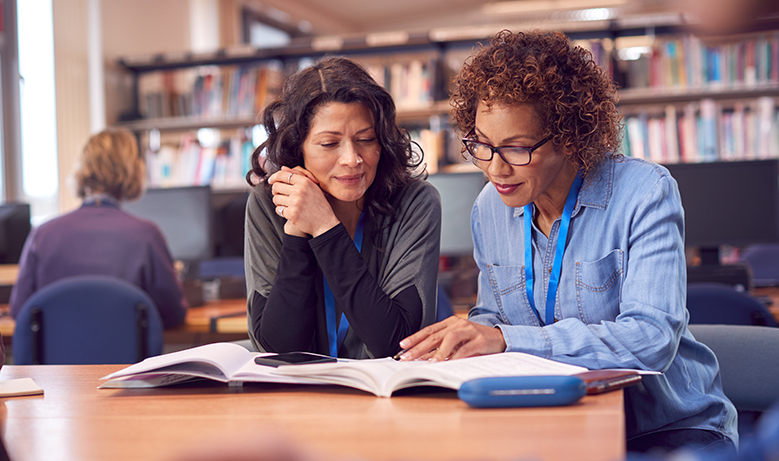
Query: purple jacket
[{"x": 101, "y": 239}]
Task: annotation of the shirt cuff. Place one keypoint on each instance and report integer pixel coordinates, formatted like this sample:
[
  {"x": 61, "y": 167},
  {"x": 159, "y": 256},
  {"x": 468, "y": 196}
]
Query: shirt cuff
[
  {"x": 338, "y": 231},
  {"x": 295, "y": 242},
  {"x": 527, "y": 339}
]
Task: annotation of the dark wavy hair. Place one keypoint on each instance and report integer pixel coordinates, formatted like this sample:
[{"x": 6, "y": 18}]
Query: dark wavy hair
[
  {"x": 287, "y": 122},
  {"x": 575, "y": 99}
]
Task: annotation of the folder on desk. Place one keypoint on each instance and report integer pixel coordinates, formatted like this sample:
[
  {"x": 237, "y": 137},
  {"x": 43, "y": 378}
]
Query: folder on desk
[{"x": 19, "y": 387}]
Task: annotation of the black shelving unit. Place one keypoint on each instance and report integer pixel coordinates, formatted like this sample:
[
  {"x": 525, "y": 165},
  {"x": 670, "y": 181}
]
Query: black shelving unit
[{"x": 440, "y": 43}]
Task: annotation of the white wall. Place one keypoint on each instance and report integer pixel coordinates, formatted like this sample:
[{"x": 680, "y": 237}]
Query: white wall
[
  {"x": 144, "y": 27},
  {"x": 71, "y": 72},
  {"x": 129, "y": 28}
]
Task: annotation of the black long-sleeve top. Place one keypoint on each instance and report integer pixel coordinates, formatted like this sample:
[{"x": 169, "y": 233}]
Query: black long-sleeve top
[{"x": 387, "y": 292}]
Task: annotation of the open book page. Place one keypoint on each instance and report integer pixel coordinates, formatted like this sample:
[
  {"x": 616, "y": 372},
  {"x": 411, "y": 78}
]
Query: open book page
[
  {"x": 456, "y": 372},
  {"x": 367, "y": 375},
  {"x": 251, "y": 372},
  {"x": 171, "y": 374},
  {"x": 216, "y": 361},
  {"x": 146, "y": 380},
  {"x": 179, "y": 373},
  {"x": 384, "y": 376}
]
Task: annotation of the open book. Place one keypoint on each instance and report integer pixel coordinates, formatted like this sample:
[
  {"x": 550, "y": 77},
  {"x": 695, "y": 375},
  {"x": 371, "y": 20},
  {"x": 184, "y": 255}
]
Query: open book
[
  {"x": 227, "y": 362},
  {"x": 223, "y": 362},
  {"x": 384, "y": 376}
]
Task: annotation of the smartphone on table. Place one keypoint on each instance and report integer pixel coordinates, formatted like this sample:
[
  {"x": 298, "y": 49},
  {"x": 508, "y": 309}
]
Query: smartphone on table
[{"x": 292, "y": 358}]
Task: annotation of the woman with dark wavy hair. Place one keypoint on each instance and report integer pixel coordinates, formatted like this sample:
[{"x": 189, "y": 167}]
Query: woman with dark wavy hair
[
  {"x": 341, "y": 248},
  {"x": 580, "y": 250}
]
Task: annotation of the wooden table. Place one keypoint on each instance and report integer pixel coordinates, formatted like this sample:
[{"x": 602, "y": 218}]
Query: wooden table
[
  {"x": 196, "y": 330},
  {"x": 200, "y": 326},
  {"x": 773, "y": 293},
  {"x": 76, "y": 421}
]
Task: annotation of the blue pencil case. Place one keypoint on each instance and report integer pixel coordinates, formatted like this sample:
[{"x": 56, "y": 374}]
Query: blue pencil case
[{"x": 522, "y": 391}]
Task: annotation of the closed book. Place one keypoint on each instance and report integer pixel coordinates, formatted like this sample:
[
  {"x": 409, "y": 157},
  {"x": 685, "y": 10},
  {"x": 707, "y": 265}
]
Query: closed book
[{"x": 600, "y": 381}]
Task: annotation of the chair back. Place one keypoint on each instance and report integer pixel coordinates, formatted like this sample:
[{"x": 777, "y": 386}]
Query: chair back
[
  {"x": 749, "y": 362},
  {"x": 87, "y": 320},
  {"x": 716, "y": 303},
  {"x": 764, "y": 260}
]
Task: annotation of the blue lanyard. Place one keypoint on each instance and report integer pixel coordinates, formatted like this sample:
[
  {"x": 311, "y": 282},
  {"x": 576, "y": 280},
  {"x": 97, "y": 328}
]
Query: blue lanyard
[
  {"x": 335, "y": 336},
  {"x": 562, "y": 236}
]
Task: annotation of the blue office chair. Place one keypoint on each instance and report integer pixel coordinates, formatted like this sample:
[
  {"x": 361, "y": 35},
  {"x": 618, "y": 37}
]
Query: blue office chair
[
  {"x": 749, "y": 365},
  {"x": 717, "y": 303},
  {"x": 764, "y": 260},
  {"x": 87, "y": 320}
]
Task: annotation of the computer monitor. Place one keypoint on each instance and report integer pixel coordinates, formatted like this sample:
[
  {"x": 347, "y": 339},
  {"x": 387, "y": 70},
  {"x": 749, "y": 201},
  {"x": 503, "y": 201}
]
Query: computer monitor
[
  {"x": 229, "y": 208},
  {"x": 183, "y": 214},
  {"x": 229, "y": 211},
  {"x": 728, "y": 203},
  {"x": 458, "y": 193},
  {"x": 14, "y": 228}
]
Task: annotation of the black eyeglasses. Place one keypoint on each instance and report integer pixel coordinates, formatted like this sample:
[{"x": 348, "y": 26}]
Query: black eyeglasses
[{"x": 513, "y": 155}]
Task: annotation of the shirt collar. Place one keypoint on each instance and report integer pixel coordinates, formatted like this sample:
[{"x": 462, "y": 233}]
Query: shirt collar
[
  {"x": 98, "y": 200},
  {"x": 596, "y": 189}
]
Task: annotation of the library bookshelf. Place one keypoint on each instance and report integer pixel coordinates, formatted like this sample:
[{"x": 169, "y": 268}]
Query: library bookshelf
[{"x": 684, "y": 98}]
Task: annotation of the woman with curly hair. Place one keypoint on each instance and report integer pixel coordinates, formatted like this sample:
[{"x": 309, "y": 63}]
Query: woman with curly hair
[
  {"x": 580, "y": 250},
  {"x": 341, "y": 248}
]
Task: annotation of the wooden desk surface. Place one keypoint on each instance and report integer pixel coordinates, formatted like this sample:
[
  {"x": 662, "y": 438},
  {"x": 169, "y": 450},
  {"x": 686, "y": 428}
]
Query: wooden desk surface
[
  {"x": 195, "y": 331},
  {"x": 773, "y": 293},
  {"x": 8, "y": 274},
  {"x": 76, "y": 421}
]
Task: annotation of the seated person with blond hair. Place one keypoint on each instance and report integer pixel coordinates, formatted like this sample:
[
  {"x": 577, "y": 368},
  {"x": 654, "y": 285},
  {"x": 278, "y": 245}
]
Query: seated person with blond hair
[{"x": 99, "y": 238}]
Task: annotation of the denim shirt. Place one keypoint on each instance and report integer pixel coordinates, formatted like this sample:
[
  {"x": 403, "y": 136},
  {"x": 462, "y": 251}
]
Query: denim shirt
[{"x": 621, "y": 297}]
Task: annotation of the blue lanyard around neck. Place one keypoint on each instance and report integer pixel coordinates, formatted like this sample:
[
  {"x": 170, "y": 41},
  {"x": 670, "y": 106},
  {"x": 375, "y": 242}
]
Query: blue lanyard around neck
[
  {"x": 562, "y": 236},
  {"x": 336, "y": 335}
]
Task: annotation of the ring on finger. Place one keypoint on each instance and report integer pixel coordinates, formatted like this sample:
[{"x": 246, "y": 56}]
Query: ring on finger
[
  {"x": 280, "y": 210},
  {"x": 289, "y": 180}
]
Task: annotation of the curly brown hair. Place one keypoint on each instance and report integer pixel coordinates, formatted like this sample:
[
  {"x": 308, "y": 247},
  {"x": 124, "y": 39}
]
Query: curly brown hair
[{"x": 575, "y": 99}]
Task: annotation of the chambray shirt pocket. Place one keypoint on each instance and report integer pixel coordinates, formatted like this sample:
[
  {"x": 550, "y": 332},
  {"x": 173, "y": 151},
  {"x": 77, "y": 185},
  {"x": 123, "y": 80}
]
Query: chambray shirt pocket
[
  {"x": 508, "y": 288},
  {"x": 598, "y": 287}
]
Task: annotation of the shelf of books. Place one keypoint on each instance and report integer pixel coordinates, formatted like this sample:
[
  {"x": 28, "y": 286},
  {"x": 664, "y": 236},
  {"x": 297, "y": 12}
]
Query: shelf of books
[
  {"x": 230, "y": 99},
  {"x": 684, "y": 98},
  {"x": 206, "y": 114},
  {"x": 689, "y": 101},
  {"x": 189, "y": 162}
]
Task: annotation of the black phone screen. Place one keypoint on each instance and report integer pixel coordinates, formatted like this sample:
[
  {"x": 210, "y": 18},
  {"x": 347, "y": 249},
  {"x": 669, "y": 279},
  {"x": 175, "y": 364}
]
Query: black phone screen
[{"x": 292, "y": 358}]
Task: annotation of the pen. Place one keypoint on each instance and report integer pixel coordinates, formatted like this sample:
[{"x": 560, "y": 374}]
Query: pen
[
  {"x": 403, "y": 351},
  {"x": 397, "y": 356}
]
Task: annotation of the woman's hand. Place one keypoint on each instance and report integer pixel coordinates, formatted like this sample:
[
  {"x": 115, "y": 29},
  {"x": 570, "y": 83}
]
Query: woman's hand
[
  {"x": 301, "y": 202},
  {"x": 452, "y": 338}
]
